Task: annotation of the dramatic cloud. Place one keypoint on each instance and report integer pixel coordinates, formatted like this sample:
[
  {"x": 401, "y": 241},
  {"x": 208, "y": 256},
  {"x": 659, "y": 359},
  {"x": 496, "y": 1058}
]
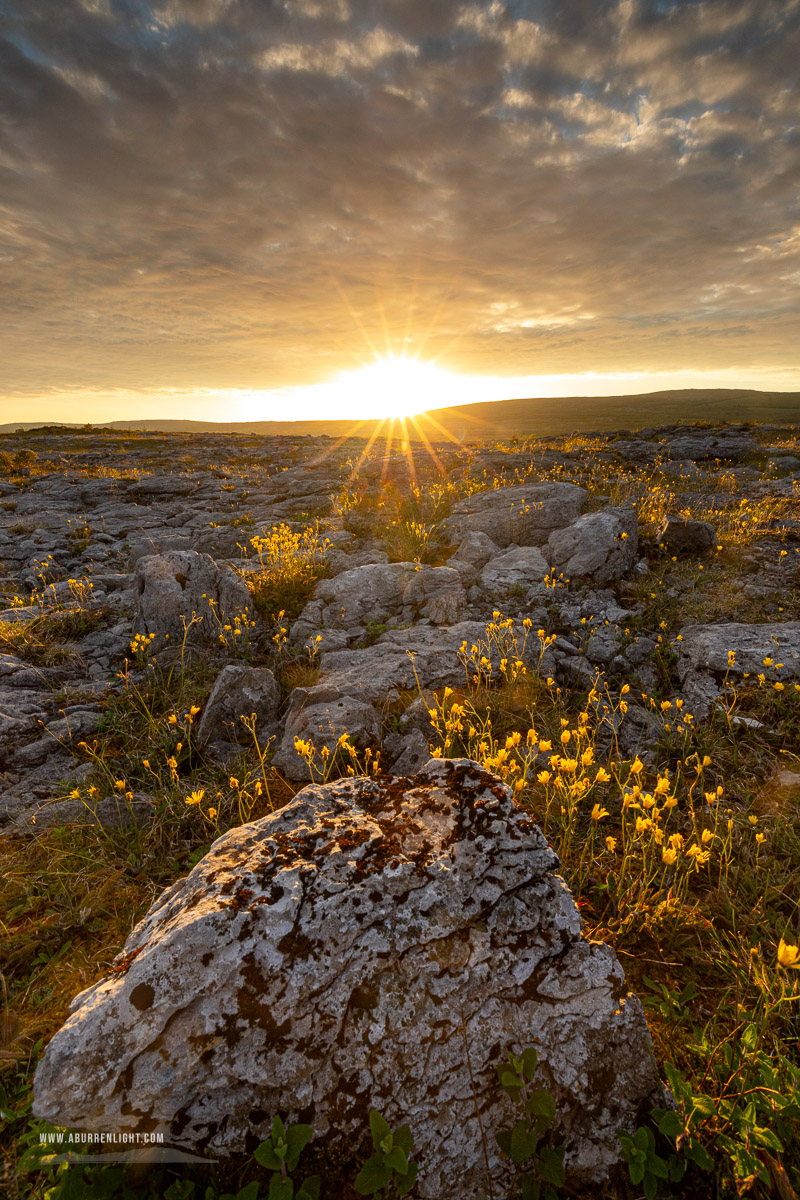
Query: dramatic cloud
[{"x": 243, "y": 194}]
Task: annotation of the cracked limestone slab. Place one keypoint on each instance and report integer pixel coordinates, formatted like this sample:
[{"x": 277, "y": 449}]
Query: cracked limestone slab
[
  {"x": 703, "y": 656},
  {"x": 377, "y": 943}
]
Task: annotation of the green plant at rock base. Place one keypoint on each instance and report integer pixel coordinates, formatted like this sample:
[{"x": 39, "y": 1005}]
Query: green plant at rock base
[
  {"x": 645, "y": 1166},
  {"x": 522, "y": 1143},
  {"x": 389, "y": 1163},
  {"x": 280, "y": 1153}
]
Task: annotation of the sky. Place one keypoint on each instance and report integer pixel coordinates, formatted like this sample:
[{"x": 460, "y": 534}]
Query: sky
[{"x": 227, "y": 209}]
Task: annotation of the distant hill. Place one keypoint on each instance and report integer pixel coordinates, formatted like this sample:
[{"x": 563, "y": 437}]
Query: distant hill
[{"x": 504, "y": 419}]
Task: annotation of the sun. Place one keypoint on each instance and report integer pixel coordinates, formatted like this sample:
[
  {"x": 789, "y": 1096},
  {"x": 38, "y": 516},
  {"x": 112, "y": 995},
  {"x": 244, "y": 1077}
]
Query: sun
[{"x": 394, "y": 386}]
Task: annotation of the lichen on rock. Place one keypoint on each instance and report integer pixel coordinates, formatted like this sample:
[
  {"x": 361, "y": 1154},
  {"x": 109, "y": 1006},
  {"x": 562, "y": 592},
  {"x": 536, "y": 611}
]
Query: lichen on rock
[{"x": 378, "y": 942}]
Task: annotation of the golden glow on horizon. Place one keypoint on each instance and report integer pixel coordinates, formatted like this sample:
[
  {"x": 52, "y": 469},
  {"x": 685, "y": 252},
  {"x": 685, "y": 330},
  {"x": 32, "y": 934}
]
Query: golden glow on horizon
[{"x": 432, "y": 388}]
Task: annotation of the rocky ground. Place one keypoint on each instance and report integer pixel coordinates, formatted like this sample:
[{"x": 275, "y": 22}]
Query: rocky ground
[
  {"x": 193, "y": 627},
  {"x": 568, "y": 534}
]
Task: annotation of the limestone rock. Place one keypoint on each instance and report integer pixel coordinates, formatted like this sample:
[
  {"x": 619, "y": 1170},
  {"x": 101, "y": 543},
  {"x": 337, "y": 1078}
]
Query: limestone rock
[
  {"x": 473, "y": 552},
  {"x": 183, "y": 583},
  {"x": 359, "y": 948},
  {"x": 401, "y": 659},
  {"x": 322, "y": 722},
  {"x": 699, "y": 446},
  {"x": 408, "y": 752},
  {"x": 522, "y": 568},
  {"x": 703, "y": 656},
  {"x": 681, "y": 535},
  {"x": 382, "y": 592},
  {"x": 525, "y": 514},
  {"x": 600, "y": 546},
  {"x": 240, "y": 691}
]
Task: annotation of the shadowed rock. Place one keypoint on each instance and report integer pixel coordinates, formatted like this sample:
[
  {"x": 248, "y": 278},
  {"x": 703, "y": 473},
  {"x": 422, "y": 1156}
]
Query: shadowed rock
[
  {"x": 323, "y": 722},
  {"x": 682, "y": 535},
  {"x": 600, "y": 546},
  {"x": 173, "y": 588},
  {"x": 375, "y": 943},
  {"x": 240, "y": 691}
]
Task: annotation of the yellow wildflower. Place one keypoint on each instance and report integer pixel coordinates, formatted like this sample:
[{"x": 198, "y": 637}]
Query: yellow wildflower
[{"x": 788, "y": 956}]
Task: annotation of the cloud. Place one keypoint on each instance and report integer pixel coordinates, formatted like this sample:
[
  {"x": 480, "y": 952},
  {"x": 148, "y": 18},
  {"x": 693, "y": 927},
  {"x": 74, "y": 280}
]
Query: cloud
[{"x": 223, "y": 194}]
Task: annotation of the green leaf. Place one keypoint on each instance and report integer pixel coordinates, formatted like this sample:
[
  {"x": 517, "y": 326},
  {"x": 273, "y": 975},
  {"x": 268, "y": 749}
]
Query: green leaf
[
  {"x": 509, "y": 1080},
  {"x": 278, "y": 1130},
  {"x": 249, "y": 1191},
  {"x": 404, "y": 1185},
  {"x": 529, "y": 1189},
  {"x": 698, "y": 1154},
  {"x": 541, "y": 1104},
  {"x": 650, "y": 1186},
  {"x": 373, "y": 1176},
  {"x": 678, "y": 1086},
  {"x": 378, "y": 1127},
  {"x": 265, "y": 1156},
  {"x": 523, "y": 1142},
  {"x": 643, "y": 1138},
  {"x": 503, "y": 1139},
  {"x": 181, "y": 1189},
  {"x": 309, "y": 1189},
  {"x": 704, "y": 1105},
  {"x": 396, "y": 1159},
  {"x": 745, "y": 1163},
  {"x": 636, "y": 1170},
  {"x": 657, "y": 1166},
  {"x": 749, "y": 1036},
  {"x": 280, "y": 1189},
  {"x": 529, "y": 1062},
  {"x": 551, "y": 1166},
  {"x": 403, "y": 1138},
  {"x": 767, "y": 1139},
  {"x": 670, "y": 1125},
  {"x": 298, "y": 1138},
  {"x": 677, "y": 1168}
]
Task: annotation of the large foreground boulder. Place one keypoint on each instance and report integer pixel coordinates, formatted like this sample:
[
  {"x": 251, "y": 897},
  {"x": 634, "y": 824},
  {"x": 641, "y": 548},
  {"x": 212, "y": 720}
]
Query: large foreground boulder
[{"x": 375, "y": 943}]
